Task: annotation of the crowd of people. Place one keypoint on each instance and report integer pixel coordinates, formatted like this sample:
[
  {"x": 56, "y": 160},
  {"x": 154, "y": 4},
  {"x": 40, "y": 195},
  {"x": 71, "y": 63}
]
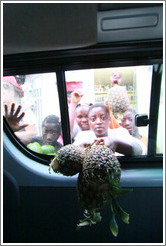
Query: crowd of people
[{"x": 88, "y": 122}]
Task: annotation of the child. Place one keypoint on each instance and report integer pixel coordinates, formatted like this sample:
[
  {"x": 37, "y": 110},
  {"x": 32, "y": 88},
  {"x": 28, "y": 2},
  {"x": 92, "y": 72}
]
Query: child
[{"x": 119, "y": 140}]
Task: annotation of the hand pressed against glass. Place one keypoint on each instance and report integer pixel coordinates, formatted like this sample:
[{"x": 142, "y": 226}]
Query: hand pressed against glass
[{"x": 13, "y": 117}]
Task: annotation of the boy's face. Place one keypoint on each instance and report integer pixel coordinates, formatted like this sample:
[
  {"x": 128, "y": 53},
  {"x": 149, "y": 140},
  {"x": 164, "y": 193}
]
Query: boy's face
[
  {"x": 82, "y": 117},
  {"x": 50, "y": 133},
  {"x": 99, "y": 121},
  {"x": 128, "y": 122}
]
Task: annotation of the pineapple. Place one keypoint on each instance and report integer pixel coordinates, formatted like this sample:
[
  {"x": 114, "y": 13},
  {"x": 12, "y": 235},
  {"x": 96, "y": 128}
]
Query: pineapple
[
  {"x": 99, "y": 183},
  {"x": 118, "y": 100},
  {"x": 98, "y": 180},
  {"x": 86, "y": 190},
  {"x": 68, "y": 160}
]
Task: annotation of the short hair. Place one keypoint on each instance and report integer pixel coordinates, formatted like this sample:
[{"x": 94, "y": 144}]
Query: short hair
[
  {"x": 85, "y": 104},
  {"x": 131, "y": 110},
  {"x": 53, "y": 119},
  {"x": 98, "y": 106}
]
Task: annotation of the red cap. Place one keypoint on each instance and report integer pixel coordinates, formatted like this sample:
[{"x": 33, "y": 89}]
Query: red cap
[{"x": 12, "y": 80}]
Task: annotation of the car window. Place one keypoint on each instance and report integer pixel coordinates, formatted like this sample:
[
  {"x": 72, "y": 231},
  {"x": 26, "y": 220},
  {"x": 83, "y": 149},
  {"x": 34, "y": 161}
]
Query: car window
[
  {"x": 124, "y": 90},
  {"x": 38, "y": 96}
]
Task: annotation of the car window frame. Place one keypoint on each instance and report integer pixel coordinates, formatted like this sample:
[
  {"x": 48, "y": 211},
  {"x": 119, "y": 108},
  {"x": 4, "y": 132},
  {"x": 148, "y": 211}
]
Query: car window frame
[{"x": 117, "y": 55}]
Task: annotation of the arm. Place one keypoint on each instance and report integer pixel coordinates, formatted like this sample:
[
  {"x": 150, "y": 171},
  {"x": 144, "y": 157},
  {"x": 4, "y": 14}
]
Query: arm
[
  {"x": 125, "y": 147},
  {"x": 84, "y": 138},
  {"x": 75, "y": 99},
  {"x": 28, "y": 133}
]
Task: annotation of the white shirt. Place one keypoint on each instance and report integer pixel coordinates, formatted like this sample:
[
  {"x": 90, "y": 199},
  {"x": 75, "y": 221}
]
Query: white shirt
[{"x": 117, "y": 133}]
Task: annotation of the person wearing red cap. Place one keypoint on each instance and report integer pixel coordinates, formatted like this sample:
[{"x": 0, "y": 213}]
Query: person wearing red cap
[
  {"x": 12, "y": 94},
  {"x": 12, "y": 81},
  {"x": 12, "y": 91}
]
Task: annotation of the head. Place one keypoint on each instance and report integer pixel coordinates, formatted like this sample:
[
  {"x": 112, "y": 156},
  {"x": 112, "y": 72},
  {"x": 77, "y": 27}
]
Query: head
[
  {"x": 12, "y": 91},
  {"x": 51, "y": 129},
  {"x": 99, "y": 119},
  {"x": 82, "y": 116},
  {"x": 116, "y": 78},
  {"x": 128, "y": 122}
]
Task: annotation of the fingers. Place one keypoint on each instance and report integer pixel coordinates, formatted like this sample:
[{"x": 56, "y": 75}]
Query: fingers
[
  {"x": 86, "y": 145},
  {"x": 12, "y": 116},
  {"x": 18, "y": 111},
  {"x": 20, "y": 117},
  {"x": 6, "y": 111},
  {"x": 23, "y": 126},
  {"x": 12, "y": 109},
  {"x": 78, "y": 92}
]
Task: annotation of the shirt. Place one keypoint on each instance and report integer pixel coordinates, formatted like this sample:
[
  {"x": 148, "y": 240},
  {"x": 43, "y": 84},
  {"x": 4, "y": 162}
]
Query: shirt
[{"x": 117, "y": 133}]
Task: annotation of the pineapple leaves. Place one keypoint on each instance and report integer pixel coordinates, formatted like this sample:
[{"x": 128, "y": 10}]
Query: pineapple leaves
[
  {"x": 113, "y": 224},
  {"x": 115, "y": 207},
  {"x": 117, "y": 191},
  {"x": 83, "y": 223},
  {"x": 123, "y": 215},
  {"x": 90, "y": 219},
  {"x": 97, "y": 217}
]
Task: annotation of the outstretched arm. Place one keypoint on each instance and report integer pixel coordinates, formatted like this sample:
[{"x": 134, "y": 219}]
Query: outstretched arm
[
  {"x": 13, "y": 118},
  {"x": 75, "y": 99},
  {"x": 128, "y": 148}
]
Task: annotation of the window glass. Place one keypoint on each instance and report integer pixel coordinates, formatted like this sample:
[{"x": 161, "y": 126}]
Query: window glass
[
  {"x": 37, "y": 94},
  {"x": 125, "y": 91},
  {"x": 160, "y": 127}
]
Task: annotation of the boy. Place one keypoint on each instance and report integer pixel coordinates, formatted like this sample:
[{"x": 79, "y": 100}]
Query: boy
[{"x": 119, "y": 140}]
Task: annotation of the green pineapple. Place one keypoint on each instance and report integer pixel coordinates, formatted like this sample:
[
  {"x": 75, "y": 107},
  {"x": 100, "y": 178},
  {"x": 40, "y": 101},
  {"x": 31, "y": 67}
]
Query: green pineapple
[
  {"x": 68, "y": 160},
  {"x": 118, "y": 100},
  {"x": 98, "y": 183}
]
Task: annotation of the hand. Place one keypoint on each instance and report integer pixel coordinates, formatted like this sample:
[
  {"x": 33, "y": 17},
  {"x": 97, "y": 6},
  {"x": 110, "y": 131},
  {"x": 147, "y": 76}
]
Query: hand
[
  {"x": 13, "y": 118},
  {"x": 76, "y": 96},
  {"x": 109, "y": 142},
  {"x": 84, "y": 142}
]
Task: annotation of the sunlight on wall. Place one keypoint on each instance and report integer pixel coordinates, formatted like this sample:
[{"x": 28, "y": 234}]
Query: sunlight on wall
[
  {"x": 160, "y": 129},
  {"x": 143, "y": 89}
]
